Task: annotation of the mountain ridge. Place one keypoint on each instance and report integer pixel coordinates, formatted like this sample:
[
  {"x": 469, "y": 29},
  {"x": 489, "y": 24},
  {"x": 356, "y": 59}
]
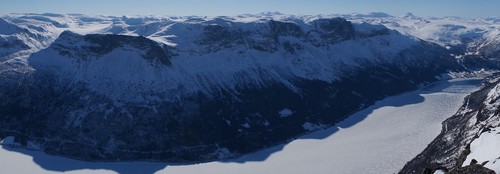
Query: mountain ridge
[{"x": 233, "y": 73}]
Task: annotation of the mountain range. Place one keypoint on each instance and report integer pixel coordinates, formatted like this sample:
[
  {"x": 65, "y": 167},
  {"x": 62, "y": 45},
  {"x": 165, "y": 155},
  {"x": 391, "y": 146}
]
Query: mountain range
[{"x": 195, "y": 88}]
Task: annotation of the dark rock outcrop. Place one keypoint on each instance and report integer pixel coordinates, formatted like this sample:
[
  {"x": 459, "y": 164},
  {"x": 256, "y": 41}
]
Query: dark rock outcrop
[
  {"x": 472, "y": 169},
  {"x": 101, "y": 44}
]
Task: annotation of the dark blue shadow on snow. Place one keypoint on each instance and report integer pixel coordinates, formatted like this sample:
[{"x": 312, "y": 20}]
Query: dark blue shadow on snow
[{"x": 54, "y": 163}]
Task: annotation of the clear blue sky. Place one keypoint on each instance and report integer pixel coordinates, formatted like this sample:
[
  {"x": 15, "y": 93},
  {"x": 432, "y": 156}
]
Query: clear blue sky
[{"x": 467, "y": 8}]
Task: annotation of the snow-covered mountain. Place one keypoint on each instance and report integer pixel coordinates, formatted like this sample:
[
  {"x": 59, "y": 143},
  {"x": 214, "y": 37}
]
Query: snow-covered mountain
[
  {"x": 203, "y": 88},
  {"x": 473, "y": 41}
]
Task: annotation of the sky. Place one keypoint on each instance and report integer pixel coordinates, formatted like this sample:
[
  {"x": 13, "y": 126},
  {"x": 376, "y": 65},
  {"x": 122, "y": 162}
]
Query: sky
[{"x": 436, "y": 8}]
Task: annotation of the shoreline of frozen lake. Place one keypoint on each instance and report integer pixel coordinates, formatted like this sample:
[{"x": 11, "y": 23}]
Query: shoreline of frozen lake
[{"x": 378, "y": 139}]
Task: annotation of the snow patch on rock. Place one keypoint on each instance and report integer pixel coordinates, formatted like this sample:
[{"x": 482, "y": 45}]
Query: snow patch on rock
[
  {"x": 486, "y": 148},
  {"x": 285, "y": 112}
]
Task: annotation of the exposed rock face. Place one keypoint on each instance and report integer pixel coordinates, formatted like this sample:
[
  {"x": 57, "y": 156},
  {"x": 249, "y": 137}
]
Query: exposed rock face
[
  {"x": 267, "y": 38},
  {"x": 95, "y": 45},
  {"x": 482, "y": 54},
  {"x": 215, "y": 92},
  {"x": 334, "y": 30}
]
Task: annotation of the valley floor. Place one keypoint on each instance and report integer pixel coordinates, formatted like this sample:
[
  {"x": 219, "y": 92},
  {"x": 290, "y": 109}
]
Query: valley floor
[{"x": 384, "y": 137}]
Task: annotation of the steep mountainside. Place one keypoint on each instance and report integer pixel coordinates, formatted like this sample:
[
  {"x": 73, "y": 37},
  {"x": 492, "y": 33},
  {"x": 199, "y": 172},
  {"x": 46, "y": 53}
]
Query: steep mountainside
[{"x": 197, "y": 89}]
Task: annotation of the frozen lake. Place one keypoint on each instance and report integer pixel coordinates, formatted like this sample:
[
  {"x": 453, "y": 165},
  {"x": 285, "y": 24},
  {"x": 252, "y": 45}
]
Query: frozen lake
[{"x": 379, "y": 139}]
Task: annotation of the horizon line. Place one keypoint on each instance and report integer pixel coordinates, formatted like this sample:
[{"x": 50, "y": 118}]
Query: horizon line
[{"x": 260, "y": 13}]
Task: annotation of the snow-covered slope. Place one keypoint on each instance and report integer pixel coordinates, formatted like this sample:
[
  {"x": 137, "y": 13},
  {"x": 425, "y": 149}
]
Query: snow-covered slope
[
  {"x": 473, "y": 41},
  {"x": 485, "y": 149},
  {"x": 119, "y": 66},
  {"x": 13, "y": 39},
  {"x": 220, "y": 55}
]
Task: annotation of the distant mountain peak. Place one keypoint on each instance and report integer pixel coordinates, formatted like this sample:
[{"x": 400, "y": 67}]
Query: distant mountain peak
[{"x": 409, "y": 15}]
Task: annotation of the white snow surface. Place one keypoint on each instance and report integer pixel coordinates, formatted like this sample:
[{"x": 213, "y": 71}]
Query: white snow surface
[
  {"x": 439, "y": 172},
  {"x": 446, "y": 31},
  {"x": 486, "y": 148},
  {"x": 378, "y": 139}
]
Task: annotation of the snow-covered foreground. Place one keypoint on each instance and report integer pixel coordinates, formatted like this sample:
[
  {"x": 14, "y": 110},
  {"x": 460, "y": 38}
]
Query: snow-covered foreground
[
  {"x": 379, "y": 139},
  {"x": 486, "y": 148}
]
